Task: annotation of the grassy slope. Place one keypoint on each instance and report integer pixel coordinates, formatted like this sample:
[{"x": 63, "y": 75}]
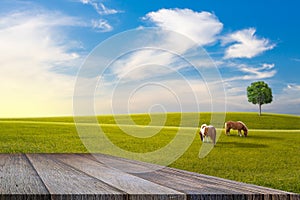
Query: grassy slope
[
  {"x": 264, "y": 158},
  {"x": 39, "y": 138},
  {"x": 268, "y": 158},
  {"x": 253, "y": 121}
]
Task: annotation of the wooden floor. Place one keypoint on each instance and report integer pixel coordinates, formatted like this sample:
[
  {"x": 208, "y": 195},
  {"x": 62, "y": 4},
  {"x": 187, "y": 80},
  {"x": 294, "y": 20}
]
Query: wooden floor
[{"x": 85, "y": 176}]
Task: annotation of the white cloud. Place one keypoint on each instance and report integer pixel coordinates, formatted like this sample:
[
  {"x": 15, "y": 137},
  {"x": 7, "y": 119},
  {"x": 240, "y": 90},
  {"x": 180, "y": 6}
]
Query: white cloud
[
  {"x": 267, "y": 66},
  {"x": 292, "y": 87},
  {"x": 202, "y": 27},
  {"x": 31, "y": 52},
  {"x": 103, "y": 10},
  {"x": 85, "y": 1},
  {"x": 146, "y": 63},
  {"x": 101, "y": 25},
  {"x": 256, "y": 73},
  {"x": 171, "y": 44},
  {"x": 246, "y": 72},
  {"x": 245, "y": 44},
  {"x": 100, "y": 8}
]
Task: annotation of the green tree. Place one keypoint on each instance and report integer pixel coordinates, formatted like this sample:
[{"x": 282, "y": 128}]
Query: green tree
[{"x": 259, "y": 93}]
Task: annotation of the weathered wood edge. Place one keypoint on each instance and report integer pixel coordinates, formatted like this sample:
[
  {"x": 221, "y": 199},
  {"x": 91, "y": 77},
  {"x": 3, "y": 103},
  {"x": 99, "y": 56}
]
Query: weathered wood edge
[
  {"x": 123, "y": 181},
  {"x": 18, "y": 176},
  {"x": 63, "y": 179},
  {"x": 192, "y": 195},
  {"x": 251, "y": 190}
]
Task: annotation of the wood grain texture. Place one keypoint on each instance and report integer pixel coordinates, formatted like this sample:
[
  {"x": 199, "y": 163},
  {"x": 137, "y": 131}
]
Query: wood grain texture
[
  {"x": 86, "y": 176},
  {"x": 123, "y": 181},
  {"x": 196, "y": 185},
  {"x": 17, "y": 176},
  {"x": 64, "y": 181},
  {"x": 126, "y": 165}
]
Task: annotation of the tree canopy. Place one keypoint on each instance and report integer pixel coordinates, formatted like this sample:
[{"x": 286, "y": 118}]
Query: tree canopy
[{"x": 259, "y": 93}]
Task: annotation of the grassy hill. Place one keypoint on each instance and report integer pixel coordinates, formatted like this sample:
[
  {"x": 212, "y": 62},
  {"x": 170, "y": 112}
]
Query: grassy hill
[
  {"x": 268, "y": 157},
  {"x": 253, "y": 120}
]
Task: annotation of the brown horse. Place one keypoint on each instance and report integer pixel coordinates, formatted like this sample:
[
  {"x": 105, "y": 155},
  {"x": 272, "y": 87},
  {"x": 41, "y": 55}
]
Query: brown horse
[
  {"x": 236, "y": 126},
  {"x": 208, "y": 131}
]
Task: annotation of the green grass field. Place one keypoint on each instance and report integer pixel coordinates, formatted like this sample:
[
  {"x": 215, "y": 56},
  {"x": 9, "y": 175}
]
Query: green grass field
[{"x": 269, "y": 156}]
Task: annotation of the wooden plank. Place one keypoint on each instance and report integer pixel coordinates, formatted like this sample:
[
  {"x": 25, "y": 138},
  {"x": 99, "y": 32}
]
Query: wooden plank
[
  {"x": 18, "y": 178},
  {"x": 83, "y": 176},
  {"x": 244, "y": 187},
  {"x": 63, "y": 181},
  {"x": 126, "y": 165},
  {"x": 178, "y": 183},
  {"x": 131, "y": 184},
  {"x": 193, "y": 183},
  {"x": 217, "y": 185}
]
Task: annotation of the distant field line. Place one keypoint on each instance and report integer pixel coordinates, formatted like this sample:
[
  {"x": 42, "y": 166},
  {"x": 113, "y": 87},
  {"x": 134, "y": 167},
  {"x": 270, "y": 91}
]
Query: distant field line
[
  {"x": 137, "y": 126},
  {"x": 275, "y": 130},
  {"x": 35, "y": 122}
]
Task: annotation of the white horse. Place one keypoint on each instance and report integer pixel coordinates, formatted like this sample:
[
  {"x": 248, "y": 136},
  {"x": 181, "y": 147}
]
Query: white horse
[{"x": 208, "y": 131}]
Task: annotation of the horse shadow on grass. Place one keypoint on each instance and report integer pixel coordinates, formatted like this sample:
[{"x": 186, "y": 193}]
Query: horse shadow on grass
[
  {"x": 265, "y": 137},
  {"x": 241, "y": 145}
]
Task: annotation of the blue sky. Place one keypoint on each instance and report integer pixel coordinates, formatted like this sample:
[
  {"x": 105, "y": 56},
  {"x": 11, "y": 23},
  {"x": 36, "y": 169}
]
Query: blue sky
[{"x": 44, "y": 44}]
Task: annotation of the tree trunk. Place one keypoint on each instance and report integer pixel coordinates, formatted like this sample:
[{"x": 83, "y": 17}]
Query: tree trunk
[{"x": 259, "y": 109}]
